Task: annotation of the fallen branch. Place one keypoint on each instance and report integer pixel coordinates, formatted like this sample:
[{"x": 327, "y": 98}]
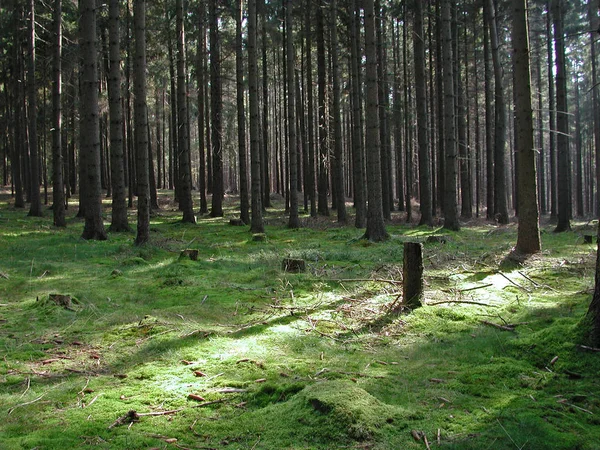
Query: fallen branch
[
  {"x": 496, "y": 325},
  {"x": 476, "y": 287},
  {"x": 461, "y": 301},
  {"x": 25, "y": 404},
  {"x": 367, "y": 280},
  {"x": 93, "y": 400},
  {"x": 514, "y": 283},
  {"x": 214, "y": 402},
  {"x": 524, "y": 275},
  {"x": 591, "y": 349},
  {"x": 131, "y": 417},
  {"x": 161, "y": 413}
]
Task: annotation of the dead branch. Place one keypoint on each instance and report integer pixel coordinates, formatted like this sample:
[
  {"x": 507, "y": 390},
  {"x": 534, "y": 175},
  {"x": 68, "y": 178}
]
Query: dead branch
[
  {"x": 161, "y": 413},
  {"x": 214, "y": 402},
  {"x": 496, "y": 325},
  {"x": 24, "y": 404},
  {"x": 591, "y": 349},
  {"x": 131, "y": 417},
  {"x": 367, "y": 280},
  {"x": 461, "y": 301},
  {"x": 514, "y": 283}
]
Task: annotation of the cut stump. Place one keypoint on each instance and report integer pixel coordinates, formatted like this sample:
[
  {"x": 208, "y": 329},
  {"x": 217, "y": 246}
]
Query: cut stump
[
  {"x": 236, "y": 222},
  {"x": 259, "y": 237},
  {"x": 189, "y": 253},
  {"x": 293, "y": 265},
  {"x": 412, "y": 271},
  {"x": 436, "y": 239}
]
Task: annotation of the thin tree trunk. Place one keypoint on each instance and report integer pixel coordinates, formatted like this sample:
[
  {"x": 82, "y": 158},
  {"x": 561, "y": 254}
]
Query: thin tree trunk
[
  {"x": 202, "y": 118},
  {"x": 216, "y": 112},
  {"x": 323, "y": 175},
  {"x": 528, "y": 238},
  {"x": 185, "y": 171},
  {"x": 241, "y": 116},
  {"x": 119, "y": 220},
  {"x": 58, "y": 189},
  {"x": 375, "y": 225},
  {"x": 266, "y": 179},
  {"x": 141, "y": 122},
  {"x": 489, "y": 116},
  {"x": 294, "y": 221},
  {"x": 422, "y": 124}
]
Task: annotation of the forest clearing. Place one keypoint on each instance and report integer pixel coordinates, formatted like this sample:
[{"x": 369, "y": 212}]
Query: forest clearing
[{"x": 229, "y": 351}]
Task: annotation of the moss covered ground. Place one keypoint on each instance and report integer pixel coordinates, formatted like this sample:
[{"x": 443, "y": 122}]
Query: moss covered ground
[{"x": 231, "y": 352}]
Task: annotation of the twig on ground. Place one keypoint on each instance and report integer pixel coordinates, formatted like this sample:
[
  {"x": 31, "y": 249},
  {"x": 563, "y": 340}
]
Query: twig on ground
[
  {"x": 25, "y": 404},
  {"x": 214, "y": 402},
  {"x": 496, "y": 325},
  {"x": 468, "y": 302},
  {"x": 367, "y": 280},
  {"x": 514, "y": 283},
  {"x": 161, "y": 413},
  {"x": 524, "y": 275},
  {"x": 27, "y": 388},
  {"x": 591, "y": 349},
  {"x": 93, "y": 400}
]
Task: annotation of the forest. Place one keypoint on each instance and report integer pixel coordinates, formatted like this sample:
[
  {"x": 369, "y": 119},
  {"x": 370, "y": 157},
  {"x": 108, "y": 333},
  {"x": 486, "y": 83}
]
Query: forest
[{"x": 206, "y": 208}]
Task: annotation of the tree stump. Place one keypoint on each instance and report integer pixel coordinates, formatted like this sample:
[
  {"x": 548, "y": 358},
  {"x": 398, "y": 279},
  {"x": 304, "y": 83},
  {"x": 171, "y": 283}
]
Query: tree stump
[
  {"x": 259, "y": 237},
  {"x": 293, "y": 265},
  {"x": 412, "y": 271},
  {"x": 588, "y": 238},
  {"x": 436, "y": 238},
  {"x": 189, "y": 253},
  {"x": 236, "y": 222}
]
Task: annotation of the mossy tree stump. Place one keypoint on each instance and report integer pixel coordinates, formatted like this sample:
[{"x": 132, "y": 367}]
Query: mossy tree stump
[
  {"x": 236, "y": 222},
  {"x": 412, "y": 271},
  {"x": 293, "y": 265},
  {"x": 189, "y": 253}
]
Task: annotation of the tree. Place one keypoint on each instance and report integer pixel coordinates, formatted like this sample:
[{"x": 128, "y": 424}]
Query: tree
[
  {"x": 241, "y": 114},
  {"x": 451, "y": 163},
  {"x": 216, "y": 111},
  {"x": 119, "y": 220},
  {"x": 201, "y": 73},
  {"x": 338, "y": 172},
  {"x": 310, "y": 176},
  {"x": 422, "y": 125},
  {"x": 562, "y": 122},
  {"x": 375, "y": 225},
  {"x": 141, "y": 122},
  {"x": 256, "y": 225},
  {"x": 593, "y": 313},
  {"x": 58, "y": 189},
  {"x": 528, "y": 239},
  {"x": 500, "y": 194},
  {"x": 35, "y": 208},
  {"x": 323, "y": 173},
  {"x": 90, "y": 139},
  {"x": 291, "y": 104}
]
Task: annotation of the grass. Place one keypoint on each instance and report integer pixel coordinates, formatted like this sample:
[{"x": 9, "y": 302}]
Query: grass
[{"x": 291, "y": 361}]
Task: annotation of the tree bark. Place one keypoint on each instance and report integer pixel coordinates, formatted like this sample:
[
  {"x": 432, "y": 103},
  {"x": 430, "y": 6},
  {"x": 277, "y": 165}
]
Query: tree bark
[
  {"x": 528, "y": 238},
  {"x": 141, "y": 122},
  {"x": 119, "y": 220},
  {"x": 451, "y": 165},
  {"x": 90, "y": 149},
  {"x": 422, "y": 123},
  {"x": 241, "y": 116},
  {"x": 562, "y": 122},
  {"x": 375, "y": 225},
  {"x": 201, "y": 74},
  {"x": 216, "y": 112},
  {"x": 294, "y": 221},
  {"x": 58, "y": 188},
  {"x": 323, "y": 165}
]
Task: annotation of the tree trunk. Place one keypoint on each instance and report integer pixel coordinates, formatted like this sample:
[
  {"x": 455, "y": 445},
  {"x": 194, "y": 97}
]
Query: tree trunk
[
  {"x": 141, "y": 122},
  {"x": 216, "y": 112},
  {"x": 185, "y": 171},
  {"x": 119, "y": 220},
  {"x": 562, "y": 122},
  {"x": 256, "y": 225},
  {"x": 451, "y": 165},
  {"x": 500, "y": 189},
  {"x": 16, "y": 158},
  {"x": 593, "y": 314},
  {"x": 323, "y": 173},
  {"x": 58, "y": 188},
  {"x": 422, "y": 124},
  {"x": 338, "y": 167},
  {"x": 35, "y": 208},
  {"x": 241, "y": 115},
  {"x": 593, "y": 14},
  {"x": 528, "y": 238},
  {"x": 90, "y": 142},
  {"x": 489, "y": 117},
  {"x": 382, "y": 93},
  {"x": 266, "y": 180},
  {"x": 311, "y": 184},
  {"x": 201, "y": 74},
  {"x": 294, "y": 221},
  {"x": 375, "y": 225}
]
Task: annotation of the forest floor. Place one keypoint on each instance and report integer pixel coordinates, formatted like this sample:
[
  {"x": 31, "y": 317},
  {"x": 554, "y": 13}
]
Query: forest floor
[{"x": 143, "y": 348}]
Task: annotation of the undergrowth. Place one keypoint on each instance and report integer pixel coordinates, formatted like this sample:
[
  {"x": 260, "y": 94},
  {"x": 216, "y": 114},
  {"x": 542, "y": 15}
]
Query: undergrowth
[{"x": 155, "y": 350}]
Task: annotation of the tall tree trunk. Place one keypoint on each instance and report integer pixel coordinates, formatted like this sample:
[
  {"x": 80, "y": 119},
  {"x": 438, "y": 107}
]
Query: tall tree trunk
[
  {"x": 500, "y": 189},
  {"x": 90, "y": 149},
  {"x": 202, "y": 118},
  {"x": 16, "y": 159},
  {"x": 323, "y": 165},
  {"x": 58, "y": 188},
  {"x": 422, "y": 124},
  {"x": 562, "y": 122},
  {"x": 141, "y": 122},
  {"x": 266, "y": 179},
  {"x": 593, "y": 313},
  {"x": 489, "y": 116},
  {"x": 375, "y": 225},
  {"x": 552, "y": 114},
  {"x": 357, "y": 129},
  {"x": 451, "y": 164},
  {"x": 256, "y": 225},
  {"x": 541, "y": 164},
  {"x": 382, "y": 93},
  {"x": 593, "y": 14},
  {"x": 294, "y": 221},
  {"x": 216, "y": 112},
  {"x": 311, "y": 185},
  {"x": 528, "y": 238},
  {"x": 241, "y": 116},
  {"x": 35, "y": 208},
  {"x": 466, "y": 211},
  {"x": 338, "y": 167},
  {"x": 185, "y": 171},
  {"x": 119, "y": 220},
  {"x": 579, "y": 189}
]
